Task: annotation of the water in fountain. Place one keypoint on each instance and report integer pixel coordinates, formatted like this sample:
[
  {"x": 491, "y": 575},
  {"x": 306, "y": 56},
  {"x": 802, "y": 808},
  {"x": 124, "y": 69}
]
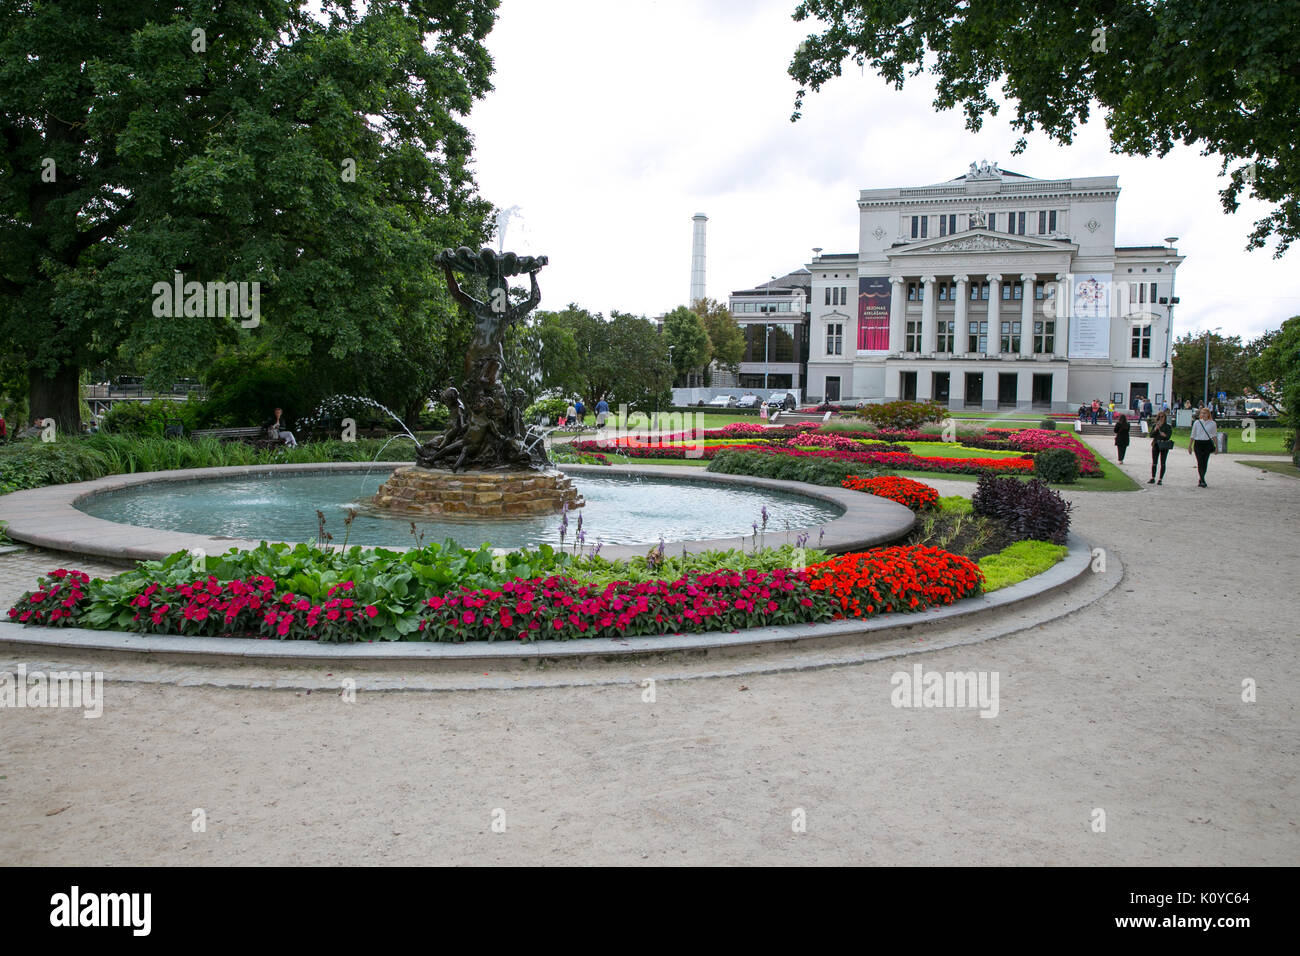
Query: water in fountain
[{"x": 339, "y": 406}]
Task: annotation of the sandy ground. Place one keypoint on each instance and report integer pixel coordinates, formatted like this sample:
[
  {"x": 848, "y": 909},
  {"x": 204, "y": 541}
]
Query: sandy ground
[{"x": 1131, "y": 706}]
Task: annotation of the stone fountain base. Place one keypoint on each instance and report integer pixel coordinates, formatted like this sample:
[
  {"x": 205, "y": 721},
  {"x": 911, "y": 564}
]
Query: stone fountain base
[{"x": 422, "y": 491}]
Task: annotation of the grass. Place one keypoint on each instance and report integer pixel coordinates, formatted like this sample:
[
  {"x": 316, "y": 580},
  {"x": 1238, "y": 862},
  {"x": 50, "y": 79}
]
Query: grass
[
  {"x": 1268, "y": 441},
  {"x": 1278, "y": 467},
  {"x": 615, "y": 459},
  {"x": 1019, "y": 561},
  {"x": 679, "y": 421}
]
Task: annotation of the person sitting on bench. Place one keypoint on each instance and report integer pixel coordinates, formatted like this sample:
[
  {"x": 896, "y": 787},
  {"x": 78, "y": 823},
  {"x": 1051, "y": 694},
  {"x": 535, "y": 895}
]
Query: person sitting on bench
[{"x": 275, "y": 430}]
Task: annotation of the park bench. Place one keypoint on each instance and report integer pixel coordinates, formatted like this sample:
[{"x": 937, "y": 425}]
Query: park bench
[{"x": 230, "y": 434}]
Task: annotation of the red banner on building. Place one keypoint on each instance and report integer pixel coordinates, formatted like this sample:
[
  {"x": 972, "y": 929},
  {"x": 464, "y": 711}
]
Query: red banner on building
[{"x": 873, "y": 313}]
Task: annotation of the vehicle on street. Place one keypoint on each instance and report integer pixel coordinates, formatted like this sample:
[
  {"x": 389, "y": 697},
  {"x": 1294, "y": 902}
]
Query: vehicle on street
[
  {"x": 723, "y": 401},
  {"x": 783, "y": 401},
  {"x": 748, "y": 400}
]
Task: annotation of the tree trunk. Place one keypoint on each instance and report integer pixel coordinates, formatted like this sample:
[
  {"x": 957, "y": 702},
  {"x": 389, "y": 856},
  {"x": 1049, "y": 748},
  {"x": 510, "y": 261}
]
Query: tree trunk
[{"x": 57, "y": 397}]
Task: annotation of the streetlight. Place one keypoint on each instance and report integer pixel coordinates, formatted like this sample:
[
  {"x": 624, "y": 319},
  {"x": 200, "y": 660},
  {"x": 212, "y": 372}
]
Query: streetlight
[
  {"x": 1169, "y": 302},
  {"x": 1205, "y": 399},
  {"x": 671, "y": 371}
]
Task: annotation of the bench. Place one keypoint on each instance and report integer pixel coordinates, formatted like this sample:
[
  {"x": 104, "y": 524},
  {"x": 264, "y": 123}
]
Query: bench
[{"x": 228, "y": 434}]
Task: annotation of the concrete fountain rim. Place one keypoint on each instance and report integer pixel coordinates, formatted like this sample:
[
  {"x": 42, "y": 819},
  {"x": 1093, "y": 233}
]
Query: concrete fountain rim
[{"x": 48, "y": 517}]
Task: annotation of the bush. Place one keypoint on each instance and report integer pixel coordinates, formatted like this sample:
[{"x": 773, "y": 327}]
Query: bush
[
  {"x": 149, "y": 419},
  {"x": 1030, "y": 510},
  {"x": 435, "y": 419},
  {"x": 1058, "y": 465},
  {"x": 813, "y": 470},
  {"x": 902, "y": 416},
  {"x": 552, "y": 408},
  {"x": 1048, "y": 424}
]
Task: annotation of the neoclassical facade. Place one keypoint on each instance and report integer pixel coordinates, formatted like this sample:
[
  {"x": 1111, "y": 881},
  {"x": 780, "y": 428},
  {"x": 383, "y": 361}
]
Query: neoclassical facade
[{"x": 992, "y": 291}]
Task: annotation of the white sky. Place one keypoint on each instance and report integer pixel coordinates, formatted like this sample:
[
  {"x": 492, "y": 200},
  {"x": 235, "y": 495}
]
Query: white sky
[{"x": 612, "y": 123}]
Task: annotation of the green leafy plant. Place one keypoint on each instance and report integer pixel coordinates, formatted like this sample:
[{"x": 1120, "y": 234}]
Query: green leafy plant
[
  {"x": 1057, "y": 465},
  {"x": 902, "y": 415},
  {"x": 1019, "y": 561},
  {"x": 814, "y": 471}
]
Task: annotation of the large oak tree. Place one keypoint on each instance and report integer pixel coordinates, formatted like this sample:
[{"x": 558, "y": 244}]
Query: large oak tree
[{"x": 316, "y": 148}]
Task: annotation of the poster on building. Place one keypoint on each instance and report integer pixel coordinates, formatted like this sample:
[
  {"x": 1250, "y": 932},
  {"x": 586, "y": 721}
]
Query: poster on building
[
  {"x": 873, "y": 313},
  {"x": 1090, "y": 315}
]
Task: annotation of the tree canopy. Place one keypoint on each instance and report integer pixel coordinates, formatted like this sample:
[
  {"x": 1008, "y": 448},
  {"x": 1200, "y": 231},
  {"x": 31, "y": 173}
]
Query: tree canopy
[
  {"x": 726, "y": 341},
  {"x": 685, "y": 336},
  {"x": 314, "y": 148},
  {"x": 1275, "y": 375},
  {"x": 1205, "y": 73}
]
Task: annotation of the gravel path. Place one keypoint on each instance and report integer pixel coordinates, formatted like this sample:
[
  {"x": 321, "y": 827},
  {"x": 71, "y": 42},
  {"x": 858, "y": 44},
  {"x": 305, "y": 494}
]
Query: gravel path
[{"x": 1132, "y": 706}]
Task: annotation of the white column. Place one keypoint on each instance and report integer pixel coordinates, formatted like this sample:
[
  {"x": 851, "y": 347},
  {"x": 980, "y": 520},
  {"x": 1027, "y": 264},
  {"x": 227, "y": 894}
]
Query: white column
[
  {"x": 995, "y": 307},
  {"x": 928, "y": 312},
  {"x": 959, "y": 314},
  {"x": 1027, "y": 315},
  {"x": 896, "y": 306},
  {"x": 1061, "y": 343}
]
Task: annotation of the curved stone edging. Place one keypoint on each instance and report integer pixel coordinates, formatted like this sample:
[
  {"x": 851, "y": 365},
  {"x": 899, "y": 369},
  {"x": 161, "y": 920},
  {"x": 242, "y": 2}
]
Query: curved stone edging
[
  {"x": 48, "y": 518},
  {"x": 1076, "y": 564}
]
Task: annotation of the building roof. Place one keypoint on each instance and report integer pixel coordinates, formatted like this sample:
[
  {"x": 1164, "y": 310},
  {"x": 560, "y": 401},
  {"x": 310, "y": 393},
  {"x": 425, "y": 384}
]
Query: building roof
[{"x": 799, "y": 280}]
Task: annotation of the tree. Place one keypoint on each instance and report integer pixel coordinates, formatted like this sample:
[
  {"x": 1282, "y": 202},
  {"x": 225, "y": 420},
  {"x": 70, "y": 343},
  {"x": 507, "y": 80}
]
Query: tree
[
  {"x": 1275, "y": 376},
  {"x": 1228, "y": 365},
  {"x": 622, "y": 360},
  {"x": 1196, "y": 72},
  {"x": 319, "y": 154},
  {"x": 684, "y": 334},
  {"x": 726, "y": 340}
]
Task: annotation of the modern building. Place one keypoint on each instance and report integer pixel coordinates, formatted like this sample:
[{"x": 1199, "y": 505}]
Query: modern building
[
  {"x": 774, "y": 319},
  {"x": 991, "y": 291}
]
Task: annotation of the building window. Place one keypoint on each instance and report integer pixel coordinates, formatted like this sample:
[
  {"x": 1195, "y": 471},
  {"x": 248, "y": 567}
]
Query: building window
[
  {"x": 1152, "y": 300},
  {"x": 943, "y": 225},
  {"x": 1010, "y": 338},
  {"x": 911, "y": 292},
  {"x": 1044, "y": 337},
  {"x": 1051, "y": 221},
  {"x": 920, "y": 226},
  {"x": 912, "y": 339},
  {"x": 1042, "y": 222},
  {"x": 1006, "y": 290},
  {"x": 977, "y": 337},
  {"x": 916, "y": 226},
  {"x": 1018, "y": 290},
  {"x": 993, "y": 221},
  {"x": 1038, "y": 290},
  {"x": 835, "y": 339},
  {"x": 943, "y": 291},
  {"x": 947, "y": 224},
  {"x": 844, "y": 295},
  {"x": 1141, "y": 344},
  {"x": 1020, "y": 218},
  {"x": 828, "y": 295},
  {"x": 944, "y": 340}
]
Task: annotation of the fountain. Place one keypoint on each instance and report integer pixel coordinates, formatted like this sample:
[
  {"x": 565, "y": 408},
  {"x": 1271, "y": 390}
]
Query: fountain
[{"x": 482, "y": 465}]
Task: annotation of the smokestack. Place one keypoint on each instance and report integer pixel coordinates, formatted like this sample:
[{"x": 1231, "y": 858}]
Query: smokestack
[{"x": 697, "y": 257}]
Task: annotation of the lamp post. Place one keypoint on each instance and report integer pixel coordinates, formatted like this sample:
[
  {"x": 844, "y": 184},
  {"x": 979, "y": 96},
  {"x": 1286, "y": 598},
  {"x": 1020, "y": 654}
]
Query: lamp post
[
  {"x": 671, "y": 371},
  {"x": 1169, "y": 303},
  {"x": 767, "y": 344},
  {"x": 1205, "y": 398}
]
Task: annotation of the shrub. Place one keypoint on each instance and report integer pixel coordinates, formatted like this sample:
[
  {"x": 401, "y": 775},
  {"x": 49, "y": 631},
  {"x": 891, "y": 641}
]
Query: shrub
[
  {"x": 901, "y": 416},
  {"x": 1048, "y": 424},
  {"x": 1031, "y": 510},
  {"x": 1058, "y": 465},
  {"x": 435, "y": 419},
  {"x": 814, "y": 470},
  {"x": 914, "y": 494},
  {"x": 552, "y": 408},
  {"x": 149, "y": 419}
]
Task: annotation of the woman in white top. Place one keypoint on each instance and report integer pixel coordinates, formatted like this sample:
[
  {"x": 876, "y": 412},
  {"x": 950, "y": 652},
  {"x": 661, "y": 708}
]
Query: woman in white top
[{"x": 1204, "y": 443}]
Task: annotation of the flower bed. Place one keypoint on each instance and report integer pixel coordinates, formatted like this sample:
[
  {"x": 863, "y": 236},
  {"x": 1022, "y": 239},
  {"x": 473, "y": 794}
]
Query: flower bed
[
  {"x": 914, "y": 494},
  {"x": 909, "y": 578},
  {"x": 1034, "y": 440},
  {"x": 553, "y": 606}
]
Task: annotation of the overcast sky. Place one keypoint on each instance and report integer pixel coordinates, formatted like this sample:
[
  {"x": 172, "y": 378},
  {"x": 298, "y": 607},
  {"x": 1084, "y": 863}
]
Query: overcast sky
[{"x": 613, "y": 123}]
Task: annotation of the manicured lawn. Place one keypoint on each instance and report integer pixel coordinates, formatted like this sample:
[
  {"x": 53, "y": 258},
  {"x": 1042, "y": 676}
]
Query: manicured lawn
[
  {"x": 938, "y": 449},
  {"x": 1018, "y": 562},
  {"x": 1280, "y": 467},
  {"x": 1268, "y": 441},
  {"x": 678, "y": 420},
  {"x": 624, "y": 460}
]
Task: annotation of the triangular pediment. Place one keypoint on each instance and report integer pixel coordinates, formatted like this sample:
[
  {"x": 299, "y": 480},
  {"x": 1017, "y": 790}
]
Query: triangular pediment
[{"x": 980, "y": 240}]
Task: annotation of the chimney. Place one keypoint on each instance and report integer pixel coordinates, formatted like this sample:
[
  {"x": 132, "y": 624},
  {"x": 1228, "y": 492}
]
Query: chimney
[{"x": 697, "y": 257}]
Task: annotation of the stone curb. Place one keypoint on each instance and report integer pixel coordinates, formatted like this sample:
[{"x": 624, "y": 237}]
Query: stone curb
[
  {"x": 48, "y": 517},
  {"x": 1065, "y": 573}
]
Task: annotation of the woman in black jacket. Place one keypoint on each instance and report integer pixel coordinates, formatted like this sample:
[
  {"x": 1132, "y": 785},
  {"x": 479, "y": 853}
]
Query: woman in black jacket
[
  {"x": 1162, "y": 439},
  {"x": 1121, "y": 436}
]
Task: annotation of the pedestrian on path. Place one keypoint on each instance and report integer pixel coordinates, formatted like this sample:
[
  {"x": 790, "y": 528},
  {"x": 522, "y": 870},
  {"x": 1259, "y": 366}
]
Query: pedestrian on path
[
  {"x": 1203, "y": 443},
  {"x": 1162, "y": 439},
  {"x": 1121, "y": 436}
]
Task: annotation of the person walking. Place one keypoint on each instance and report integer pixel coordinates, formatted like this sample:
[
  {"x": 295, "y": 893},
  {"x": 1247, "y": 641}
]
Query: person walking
[
  {"x": 1096, "y": 408},
  {"x": 602, "y": 410},
  {"x": 1203, "y": 443},
  {"x": 1162, "y": 439},
  {"x": 1121, "y": 436}
]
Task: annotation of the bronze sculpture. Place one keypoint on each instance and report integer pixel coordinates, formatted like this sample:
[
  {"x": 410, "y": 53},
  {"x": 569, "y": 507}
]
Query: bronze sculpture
[{"x": 486, "y": 428}]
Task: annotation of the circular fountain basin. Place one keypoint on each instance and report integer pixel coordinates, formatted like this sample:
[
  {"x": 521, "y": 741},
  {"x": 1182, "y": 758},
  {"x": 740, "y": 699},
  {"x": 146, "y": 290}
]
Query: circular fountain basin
[
  {"x": 621, "y": 509},
  {"x": 643, "y": 502}
]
